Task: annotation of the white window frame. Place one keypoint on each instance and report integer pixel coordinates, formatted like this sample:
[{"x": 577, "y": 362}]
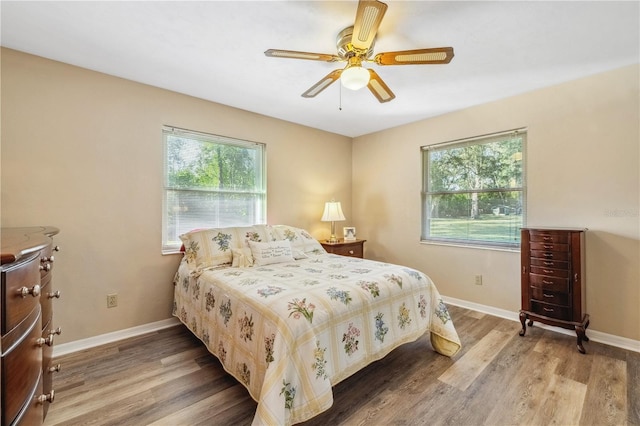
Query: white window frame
[
  {"x": 170, "y": 242},
  {"x": 429, "y": 231}
]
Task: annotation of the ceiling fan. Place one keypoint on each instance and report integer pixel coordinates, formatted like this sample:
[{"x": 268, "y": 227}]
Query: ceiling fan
[{"x": 355, "y": 46}]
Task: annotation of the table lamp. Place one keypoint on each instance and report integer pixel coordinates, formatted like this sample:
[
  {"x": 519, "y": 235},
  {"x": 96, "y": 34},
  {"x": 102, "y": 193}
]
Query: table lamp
[{"x": 332, "y": 213}]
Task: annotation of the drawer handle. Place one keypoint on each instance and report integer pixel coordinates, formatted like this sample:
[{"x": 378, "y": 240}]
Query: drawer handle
[
  {"x": 45, "y": 267},
  {"x": 350, "y": 251},
  {"x": 55, "y": 294},
  {"x": 547, "y": 238},
  {"x": 547, "y": 309},
  {"x": 547, "y": 271},
  {"x": 548, "y": 263},
  {"x": 48, "y": 341},
  {"x": 34, "y": 291},
  {"x": 54, "y": 369},
  {"x": 49, "y": 259},
  {"x": 57, "y": 331},
  {"x": 547, "y": 254},
  {"x": 547, "y": 282},
  {"x": 47, "y": 397},
  {"x": 549, "y": 296},
  {"x": 548, "y": 247}
]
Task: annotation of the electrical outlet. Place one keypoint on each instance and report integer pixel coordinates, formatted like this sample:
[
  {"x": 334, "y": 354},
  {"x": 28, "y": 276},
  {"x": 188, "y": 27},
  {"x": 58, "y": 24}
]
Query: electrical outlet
[
  {"x": 112, "y": 300},
  {"x": 478, "y": 279}
]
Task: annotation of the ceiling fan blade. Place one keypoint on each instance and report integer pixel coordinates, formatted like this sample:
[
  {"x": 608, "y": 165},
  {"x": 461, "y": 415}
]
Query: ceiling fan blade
[
  {"x": 292, "y": 54},
  {"x": 438, "y": 55},
  {"x": 368, "y": 18},
  {"x": 322, "y": 84},
  {"x": 378, "y": 87}
]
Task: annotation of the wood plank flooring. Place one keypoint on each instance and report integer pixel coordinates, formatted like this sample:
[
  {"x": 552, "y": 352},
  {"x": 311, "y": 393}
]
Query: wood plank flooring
[{"x": 168, "y": 378}]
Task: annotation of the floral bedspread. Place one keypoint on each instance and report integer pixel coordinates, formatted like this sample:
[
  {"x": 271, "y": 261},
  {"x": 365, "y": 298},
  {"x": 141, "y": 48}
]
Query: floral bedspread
[{"x": 290, "y": 331}]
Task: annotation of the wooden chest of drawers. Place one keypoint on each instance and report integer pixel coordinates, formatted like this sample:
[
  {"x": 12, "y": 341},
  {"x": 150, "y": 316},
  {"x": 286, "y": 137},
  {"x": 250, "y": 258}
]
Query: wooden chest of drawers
[
  {"x": 345, "y": 248},
  {"x": 553, "y": 279},
  {"x": 26, "y": 313}
]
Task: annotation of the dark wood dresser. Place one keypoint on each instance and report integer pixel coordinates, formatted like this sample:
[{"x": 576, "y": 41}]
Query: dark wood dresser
[
  {"x": 553, "y": 279},
  {"x": 26, "y": 316},
  {"x": 345, "y": 248}
]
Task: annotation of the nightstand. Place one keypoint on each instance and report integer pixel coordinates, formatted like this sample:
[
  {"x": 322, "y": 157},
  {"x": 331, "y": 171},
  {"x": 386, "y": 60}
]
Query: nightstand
[{"x": 353, "y": 248}]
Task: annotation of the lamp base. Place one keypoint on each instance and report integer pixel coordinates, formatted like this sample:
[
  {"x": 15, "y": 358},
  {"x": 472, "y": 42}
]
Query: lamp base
[{"x": 333, "y": 239}]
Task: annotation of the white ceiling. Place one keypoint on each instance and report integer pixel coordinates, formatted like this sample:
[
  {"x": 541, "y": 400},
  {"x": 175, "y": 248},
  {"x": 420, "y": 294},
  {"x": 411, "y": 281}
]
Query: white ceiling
[{"x": 214, "y": 50}]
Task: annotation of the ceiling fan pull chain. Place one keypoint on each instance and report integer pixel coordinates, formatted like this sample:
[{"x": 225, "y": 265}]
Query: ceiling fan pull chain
[{"x": 340, "y": 98}]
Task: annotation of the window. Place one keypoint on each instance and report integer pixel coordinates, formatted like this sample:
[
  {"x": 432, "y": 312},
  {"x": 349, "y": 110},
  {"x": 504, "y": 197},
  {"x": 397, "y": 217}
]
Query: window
[
  {"x": 210, "y": 181},
  {"x": 473, "y": 190}
]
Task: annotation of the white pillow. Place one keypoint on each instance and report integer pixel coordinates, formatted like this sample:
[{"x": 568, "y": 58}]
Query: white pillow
[
  {"x": 300, "y": 239},
  {"x": 272, "y": 252},
  {"x": 242, "y": 257}
]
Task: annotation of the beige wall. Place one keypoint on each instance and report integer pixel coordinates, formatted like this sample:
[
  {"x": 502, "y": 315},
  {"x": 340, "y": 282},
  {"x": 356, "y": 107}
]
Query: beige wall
[
  {"x": 583, "y": 163},
  {"x": 83, "y": 151}
]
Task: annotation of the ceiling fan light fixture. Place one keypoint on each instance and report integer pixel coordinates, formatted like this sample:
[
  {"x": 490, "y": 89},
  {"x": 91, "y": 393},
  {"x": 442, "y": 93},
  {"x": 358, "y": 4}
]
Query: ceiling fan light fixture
[{"x": 355, "y": 77}]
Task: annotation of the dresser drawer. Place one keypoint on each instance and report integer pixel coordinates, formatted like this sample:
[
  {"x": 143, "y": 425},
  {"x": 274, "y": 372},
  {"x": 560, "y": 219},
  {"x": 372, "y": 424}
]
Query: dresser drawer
[
  {"x": 549, "y": 263},
  {"x": 354, "y": 250},
  {"x": 45, "y": 301},
  {"x": 21, "y": 366},
  {"x": 348, "y": 248},
  {"x": 24, "y": 275},
  {"x": 551, "y": 311},
  {"x": 550, "y": 247},
  {"x": 549, "y": 272},
  {"x": 32, "y": 413},
  {"x": 547, "y": 296},
  {"x": 549, "y": 283},
  {"x": 549, "y": 236},
  {"x": 550, "y": 255}
]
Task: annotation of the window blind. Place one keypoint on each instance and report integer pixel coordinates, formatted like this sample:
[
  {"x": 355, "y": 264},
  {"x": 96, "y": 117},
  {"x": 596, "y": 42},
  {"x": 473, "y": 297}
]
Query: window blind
[{"x": 210, "y": 181}]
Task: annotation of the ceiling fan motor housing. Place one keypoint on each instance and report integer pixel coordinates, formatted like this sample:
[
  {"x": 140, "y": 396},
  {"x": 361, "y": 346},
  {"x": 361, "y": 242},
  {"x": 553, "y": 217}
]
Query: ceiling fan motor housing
[{"x": 345, "y": 47}]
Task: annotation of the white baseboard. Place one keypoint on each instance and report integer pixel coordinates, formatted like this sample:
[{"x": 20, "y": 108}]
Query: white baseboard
[
  {"x": 91, "y": 342},
  {"x": 596, "y": 336}
]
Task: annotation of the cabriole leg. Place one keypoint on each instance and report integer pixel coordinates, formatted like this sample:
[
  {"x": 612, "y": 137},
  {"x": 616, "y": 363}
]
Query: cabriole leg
[
  {"x": 523, "y": 320},
  {"x": 581, "y": 337}
]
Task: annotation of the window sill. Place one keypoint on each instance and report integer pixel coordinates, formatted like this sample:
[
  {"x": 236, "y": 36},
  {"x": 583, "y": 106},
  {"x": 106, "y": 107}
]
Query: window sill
[
  {"x": 171, "y": 251},
  {"x": 471, "y": 246}
]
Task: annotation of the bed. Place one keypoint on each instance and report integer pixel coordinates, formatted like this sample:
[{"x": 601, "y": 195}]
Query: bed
[{"x": 289, "y": 321}]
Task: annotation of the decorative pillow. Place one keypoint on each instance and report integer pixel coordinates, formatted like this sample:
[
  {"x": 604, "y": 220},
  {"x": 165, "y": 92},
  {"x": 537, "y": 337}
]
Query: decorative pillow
[
  {"x": 212, "y": 247},
  {"x": 182, "y": 247},
  {"x": 272, "y": 252},
  {"x": 208, "y": 247},
  {"x": 300, "y": 239},
  {"x": 257, "y": 233},
  {"x": 242, "y": 257},
  {"x": 266, "y": 232}
]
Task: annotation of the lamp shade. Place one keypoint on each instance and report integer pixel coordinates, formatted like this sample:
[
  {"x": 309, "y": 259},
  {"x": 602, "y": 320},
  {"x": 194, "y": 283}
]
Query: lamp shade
[
  {"x": 355, "y": 77},
  {"x": 332, "y": 212}
]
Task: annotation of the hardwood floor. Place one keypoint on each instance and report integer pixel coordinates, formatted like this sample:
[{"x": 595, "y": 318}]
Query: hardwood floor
[{"x": 498, "y": 378}]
